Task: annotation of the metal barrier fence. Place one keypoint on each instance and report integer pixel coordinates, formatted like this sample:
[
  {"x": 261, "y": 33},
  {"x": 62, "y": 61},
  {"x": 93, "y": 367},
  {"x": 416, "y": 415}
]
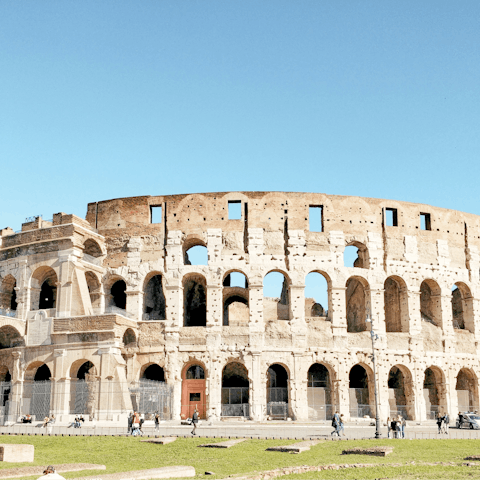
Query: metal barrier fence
[
  {"x": 360, "y": 411},
  {"x": 321, "y": 412},
  {"x": 277, "y": 410},
  {"x": 235, "y": 402},
  {"x": 277, "y": 394}
]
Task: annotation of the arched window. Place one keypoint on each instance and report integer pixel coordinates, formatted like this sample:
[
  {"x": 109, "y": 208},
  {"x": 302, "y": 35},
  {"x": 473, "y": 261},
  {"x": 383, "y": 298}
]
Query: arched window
[
  {"x": 93, "y": 285},
  {"x": 400, "y": 392},
  {"x": 196, "y": 255},
  {"x": 235, "y": 393},
  {"x": 235, "y": 300},
  {"x": 319, "y": 393},
  {"x": 359, "y": 392},
  {"x": 194, "y": 301},
  {"x": 434, "y": 393},
  {"x": 467, "y": 390},
  {"x": 92, "y": 251},
  {"x": 43, "y": 288},
  {"x": 10, "y": 337},
  {"x": 277, "y": 384},
  {"x": 396, "y": 305},
  {"x": 154, "y": 372},
  {"x": 8, "y": 294},
  {"x": 118, "y": 296},
  {"x": 276, "y": 297},
  {"x": 195, "y": 372},
  {"x": 430, "y": 302},
  {"x": 316, "y": 295},
  {"x": 356, "y": 255},
  {"x": 462, "y": 307},
  {"x": 357, "y": 302},
  {"x": 129, "y": 339},
  {"x": 154, "y": 302}
]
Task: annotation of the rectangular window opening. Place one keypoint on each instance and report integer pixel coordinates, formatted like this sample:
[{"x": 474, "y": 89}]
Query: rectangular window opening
[
  {"x": 234, "y": 210},
  {"x": 315, "y": 217},
  {"x": 425, "y": 221},
  {"x": 155, "y": 214},
  {"x": 392, "y": 218}
]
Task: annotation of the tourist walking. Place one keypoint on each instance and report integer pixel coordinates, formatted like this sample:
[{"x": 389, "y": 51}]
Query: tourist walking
[
  {"x": 194, "y": 421},
  {"x": 130, "y": 423},
  {"x": 341, "y": 427},
  {"x": 404, "y": 424},
  {"x": 393, "y": 426},
  {"x": 157, "y": 422},
  {"x": 446, "y": 423},
  {"x": 336, "y": 424},
  {"x": 389, "y": 427},
  {"x": 50, "y": 423},
  {"x": 439, "y": 422}
]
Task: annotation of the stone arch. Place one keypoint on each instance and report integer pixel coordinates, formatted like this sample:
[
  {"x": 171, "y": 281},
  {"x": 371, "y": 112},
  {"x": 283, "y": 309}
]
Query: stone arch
[
  {"x": 10, "y": 337},
  {"x": 194, "y": 300},
  {"x": 320, "y": 392},
  {"x": 430, "y": 302},
  {"x": 235, "y": 390},
  {"x": 154, "y": 304},
  {"x": 277, "y": 308},
  {"x": 8, "y": 293},
  {"x": 193, "y": 389},
  {"x": 357, "y": 303},
  {"x": 396, "y": 305},
  {"x": 153, "y": 372},
  {"x": 84, "y": 388},
  {"x": 37, "y": 389},
  {"x": 129, "y": 339},
  {"x": 227, "y": 281},
  {"x": 94, "y": 289},
  {"x": 115, "y": 293},
  {"x": 363, "y": 258},
  {"x": 43, "y": 288},
  {"x": 467, "y": 390},
  {"x": 401, "y": 392},
  {"x": 5, "y": 374},
  {"x": 82, "y": 367},
  {"x": 434, "y": 392},
  {"x": 201, "y": 253},
  {"x": 92, "y": 249},
  {"x": 235, "y": 299},
  {"x": 318, "y": 288},
  {"x": 462, "y": 307},
  {"x": 277, "y": 384},
  {"x": 5, "y": 389},
  {"x": 361, "y": 391}
]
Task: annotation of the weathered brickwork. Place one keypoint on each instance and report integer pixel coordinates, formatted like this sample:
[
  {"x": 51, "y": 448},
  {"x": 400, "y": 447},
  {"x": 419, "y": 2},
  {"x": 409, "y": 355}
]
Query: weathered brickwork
[{"x": 119, "y": 297}]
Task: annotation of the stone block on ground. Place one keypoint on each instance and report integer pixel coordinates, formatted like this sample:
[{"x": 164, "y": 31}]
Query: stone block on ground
[
  {"x": 473, "y": 457},
  {"x": 16, "y": 452},
  {"x": 160, "y": 441},
  {"x": 66, "y": 467},
  {"x": 298, "y": 447},
  {"x": 226, "y": 444},
  {"x": 376, "y": 451},
  {"x": 175, "y": 471}
]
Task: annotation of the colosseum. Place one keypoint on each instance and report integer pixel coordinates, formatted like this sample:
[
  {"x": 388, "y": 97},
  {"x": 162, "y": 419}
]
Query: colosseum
[{"x": 119, "y": 311}]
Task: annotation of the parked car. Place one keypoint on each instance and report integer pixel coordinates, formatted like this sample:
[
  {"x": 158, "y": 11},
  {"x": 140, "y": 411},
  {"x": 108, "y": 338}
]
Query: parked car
[{"x": 469, "y": 420}]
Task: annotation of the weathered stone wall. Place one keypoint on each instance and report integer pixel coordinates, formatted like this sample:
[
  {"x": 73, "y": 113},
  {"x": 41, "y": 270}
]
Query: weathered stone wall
[{"x": 181, "y": 314}]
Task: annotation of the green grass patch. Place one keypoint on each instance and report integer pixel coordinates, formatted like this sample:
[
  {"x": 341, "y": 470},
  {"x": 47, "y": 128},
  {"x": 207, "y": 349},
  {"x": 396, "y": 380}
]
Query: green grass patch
[{"x": 121, "y": 454}]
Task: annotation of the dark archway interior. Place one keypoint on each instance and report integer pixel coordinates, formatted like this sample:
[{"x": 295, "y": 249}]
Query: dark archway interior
[
  {"x": 318, "y": 376},
  {"x": 48, "y": 293},
  {"x": 155, "y": 299},
  {"x": 42, "y": 373},
  {"x": 129, "y": 339},
  {"x": 358, "y": 377},
  {"x": 84, "y": 370},
  {"x": 195, "y": 304},
  {"x": 228, "y": 302},
  {"x": 195, "y": 372},
  {"x": 154, "y": 372},
  {"x": 277, "y": 377},
  {"x": 234, "y": 375},
  {"x": 119, "y": 296}
]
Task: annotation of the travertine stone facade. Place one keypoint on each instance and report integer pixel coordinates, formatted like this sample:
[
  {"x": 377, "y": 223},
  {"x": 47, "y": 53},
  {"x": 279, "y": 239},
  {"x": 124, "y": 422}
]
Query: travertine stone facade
[{"x": 105, "y": 299}]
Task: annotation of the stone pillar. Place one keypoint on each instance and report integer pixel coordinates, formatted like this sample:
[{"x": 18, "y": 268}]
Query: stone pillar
[
  {"x": 23, "y": 293},
  {"x": 213, "y": 389},
  {"x": 134, "y": 305},
  {"x": 64, "y": 285},
  {"x": 382, "y": 389},
  {"x": 451, "y": 379},
  {"x": 214, "y": 307},
  {"x": 377, "y": 302},
  {"x": 414, "y": 312},
  {"x": 256, "y": 324},
  {"x": 173, "y": 376},
  {"x": 60, "y": 385},
  {"x": 298, "y": 388},
  {"x": 17, "y": 387},
  {"x": 337, "y": 313},
  {"x": 103, "y": 382},
  {"x": 174, "y": 305},
  {"x": 130, "y": 359},
  {"x": 258, "y": 393}
]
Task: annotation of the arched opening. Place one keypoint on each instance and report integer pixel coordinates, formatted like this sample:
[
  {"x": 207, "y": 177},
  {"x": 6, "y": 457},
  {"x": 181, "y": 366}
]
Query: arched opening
[
  {"x": 462, "y": 307},
  {"x": 356, "y": 255},
  {"x": 38, "y": 389},
  {"x": 276, "y": 296},
  {"x": 154, "y": 372},
  {"x": 316, "y": 295},
  {"x": 92, "y": 251},
  {"x": 10, "y": 337},
  {"x": 8, "y": 295},
  {"x": 154, "y": 299},
  {"x": 400, "y": 392},
  {"x": 129, "y": 339},
  {"x": 319, "y": 393},
  {"x": 193, "y": 391},
  {"x": 277, "y": 391},
  {"x": 196, "y": 255},
  {"x": 434, "y": 393},
  {"x": 94, "y": 290},
  {"x": 235, "y": 390},
  {"x": 84, "y": 388},
  {"x": 5, "y": 390},
  {"x": 467, "y": 391},
  {"x": 396, "y": 305},
  {"x": 194, "y": 301},
  {"x": 430, "y": 303},
  {"x": 152, "y": 395},
  {"x": 357, "y": 302},
  {"x": 118, "y": 295},
  {"x": 43, "y": 293},
  {"x": 359, "y": 392},
  {"x": 235, "y": 300}
]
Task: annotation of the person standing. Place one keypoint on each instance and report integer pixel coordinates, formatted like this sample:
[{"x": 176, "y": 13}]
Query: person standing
[
  {"x": 393, "y": 426},
  {"x": 389, "y": 427},
  {"x": 446, "y": 423},
  {"x": 130, "y": 423},
  {"x": 194, "y": 421},
  {"x": 51, "y": 474},
  {"x": 157, "y": 422},
  {"x": 341, "y": 427},
  {"x": 404, "y": 424},
  {"x": 439, "y": 422}
]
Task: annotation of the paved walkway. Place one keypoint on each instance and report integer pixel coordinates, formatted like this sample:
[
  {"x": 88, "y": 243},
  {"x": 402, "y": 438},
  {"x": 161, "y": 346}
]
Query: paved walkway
[{"x": 288, "y": 430}]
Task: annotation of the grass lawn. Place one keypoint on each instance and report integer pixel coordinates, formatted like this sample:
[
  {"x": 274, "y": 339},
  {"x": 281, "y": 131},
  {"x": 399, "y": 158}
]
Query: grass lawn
[{"x": 129, "y": 453}]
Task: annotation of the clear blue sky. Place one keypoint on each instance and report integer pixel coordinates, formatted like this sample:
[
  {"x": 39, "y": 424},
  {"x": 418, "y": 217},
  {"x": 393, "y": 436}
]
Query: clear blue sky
[{"x": 106, "y": 99}]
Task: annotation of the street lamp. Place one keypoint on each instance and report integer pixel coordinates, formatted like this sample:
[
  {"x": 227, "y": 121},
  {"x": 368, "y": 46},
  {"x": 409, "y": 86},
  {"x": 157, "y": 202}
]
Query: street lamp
[{"x": 374, "y": 337}]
